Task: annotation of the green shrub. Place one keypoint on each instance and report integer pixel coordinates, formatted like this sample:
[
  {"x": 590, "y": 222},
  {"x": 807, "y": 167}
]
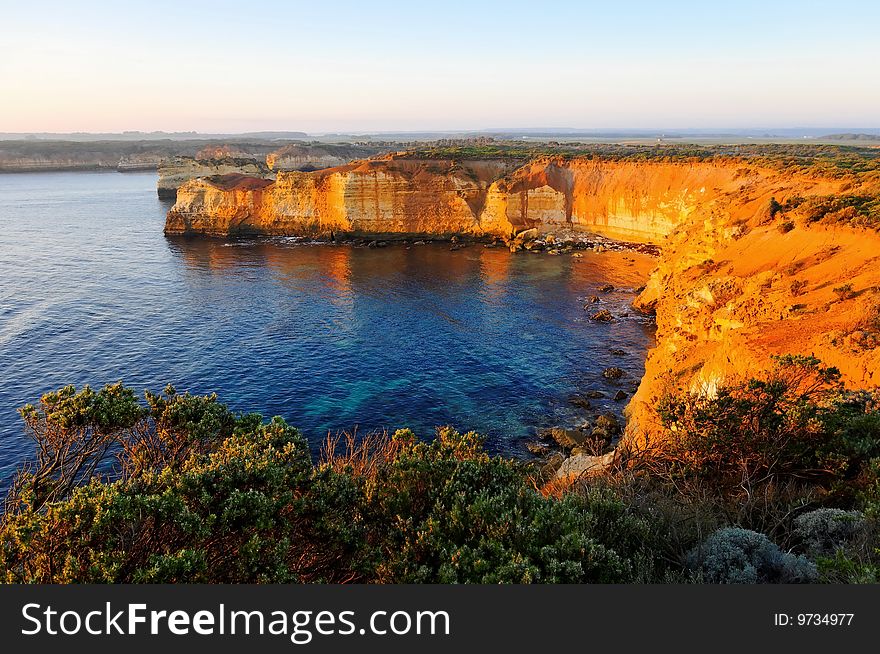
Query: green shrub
[
  {"x": 798, "y": 423},
  {"x": 202, "y": 495},
  {"x": 842, "y": 569},
  {"x": 826, "y": 531},
  {"x": 739, "y": 556},
  {"x": 179, "y": 488}
]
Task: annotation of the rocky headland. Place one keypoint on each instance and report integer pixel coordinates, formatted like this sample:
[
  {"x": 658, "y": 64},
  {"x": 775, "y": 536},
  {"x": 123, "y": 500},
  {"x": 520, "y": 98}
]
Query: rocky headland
[{"x": 767, "y": 254}]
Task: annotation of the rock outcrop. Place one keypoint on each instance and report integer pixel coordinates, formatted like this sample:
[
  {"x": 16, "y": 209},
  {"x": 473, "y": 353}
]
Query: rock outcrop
[{"x": 742, "y": 276}]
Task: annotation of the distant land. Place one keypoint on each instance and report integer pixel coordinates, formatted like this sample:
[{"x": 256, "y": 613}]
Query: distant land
[
  {"x": 145, "y": 136},
  {"x": 507, "y": 133}
]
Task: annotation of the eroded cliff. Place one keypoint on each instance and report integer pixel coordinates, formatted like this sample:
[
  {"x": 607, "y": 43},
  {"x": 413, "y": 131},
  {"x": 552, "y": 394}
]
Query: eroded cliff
[
  {"x": 405, "y": 196},
  {"x": 738, "y": 287}
]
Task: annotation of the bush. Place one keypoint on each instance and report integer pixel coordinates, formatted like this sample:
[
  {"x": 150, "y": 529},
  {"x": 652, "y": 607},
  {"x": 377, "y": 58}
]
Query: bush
[
  {"x": 798, "y": 423},
  {"x": 201, "y": 495},
  {"x": 739, "y": 556},
  {"x": 798, "y": 286},
  {"x": 785, "y": 226},
  {"x": 844, "y": 292},
  {"x": 824, "y": 532}
]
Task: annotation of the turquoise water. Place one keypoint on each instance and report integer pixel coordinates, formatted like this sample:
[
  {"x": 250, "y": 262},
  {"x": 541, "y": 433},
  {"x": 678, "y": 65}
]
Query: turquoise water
[{"x": 330, "y": 337}]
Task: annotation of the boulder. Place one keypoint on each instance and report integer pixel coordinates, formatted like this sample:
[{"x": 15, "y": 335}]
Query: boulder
[
  {"x": 613, "y": 373},
  {"x": 568, "y": 438},
  {"x": 606, "y": 288},
  {"x": 608, "y": 422},
  {"x": 581, "y": 402},
  {"x": 620, "y": 396},
  {"x": 538, "y": 449},
  {"x": 602, "y": 316},
  {"x": 583, "y": 464},
  {"x": 527, "y": 235}
]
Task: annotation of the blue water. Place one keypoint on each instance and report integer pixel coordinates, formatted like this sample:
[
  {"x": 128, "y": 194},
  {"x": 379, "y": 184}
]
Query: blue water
[{"x": 330, "y": 337}]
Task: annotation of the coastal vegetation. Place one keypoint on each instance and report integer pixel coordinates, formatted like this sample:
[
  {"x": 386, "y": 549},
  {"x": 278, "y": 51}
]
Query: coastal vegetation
[
  {"x": 820, "y": 160},
  {"x": 771, "y": 479}
]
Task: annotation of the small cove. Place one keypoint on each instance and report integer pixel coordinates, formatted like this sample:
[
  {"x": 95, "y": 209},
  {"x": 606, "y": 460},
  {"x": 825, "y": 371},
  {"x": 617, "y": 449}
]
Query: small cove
[{"x": 331, "y": 337}]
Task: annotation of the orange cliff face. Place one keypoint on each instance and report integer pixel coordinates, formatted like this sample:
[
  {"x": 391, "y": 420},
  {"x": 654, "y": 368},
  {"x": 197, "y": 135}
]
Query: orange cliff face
[
  {"x": 736, "y": 286},
  {"x": 731, "y": 288},
  {"x": 407, "y": 197}
]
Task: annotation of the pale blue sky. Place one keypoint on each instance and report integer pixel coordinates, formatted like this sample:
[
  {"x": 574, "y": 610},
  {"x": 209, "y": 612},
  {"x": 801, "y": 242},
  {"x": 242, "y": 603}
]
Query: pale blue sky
[{"x": 376, "y": 65}]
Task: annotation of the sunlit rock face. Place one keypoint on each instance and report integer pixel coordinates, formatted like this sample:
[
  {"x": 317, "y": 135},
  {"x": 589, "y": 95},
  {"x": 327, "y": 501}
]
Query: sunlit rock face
[{"x": 641, "y": 202}]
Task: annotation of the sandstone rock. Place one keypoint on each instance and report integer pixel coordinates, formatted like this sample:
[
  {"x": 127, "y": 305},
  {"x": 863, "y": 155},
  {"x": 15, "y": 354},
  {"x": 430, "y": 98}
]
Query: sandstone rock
[
  {"x": 315, "y": 156},
  {"x": 619, "y": 396},
  {"x": 581, "y": 402},
  {"x": 480, "y": 198},
  {"x": 602, "y": 316},
  {"x": 538, "y": 449},
  {"x": 176, "y": 171},
  {"x": 583, "y": 465},
  {"x": 594, "y": 394},
  {"x": 606, "y": 288}
]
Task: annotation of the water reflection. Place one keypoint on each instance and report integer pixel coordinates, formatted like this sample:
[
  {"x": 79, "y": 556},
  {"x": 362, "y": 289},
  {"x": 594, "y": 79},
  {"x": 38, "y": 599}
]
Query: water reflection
[{"x": 416, "y": 336}]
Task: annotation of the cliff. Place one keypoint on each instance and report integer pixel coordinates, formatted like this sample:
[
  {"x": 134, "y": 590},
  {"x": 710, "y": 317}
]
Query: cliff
[
  {"x": 36, "y": 155},
  {"x": 479, "y": 198},
  {"x": 737, "y": 287},
  {"x": 758, "y": 258}
]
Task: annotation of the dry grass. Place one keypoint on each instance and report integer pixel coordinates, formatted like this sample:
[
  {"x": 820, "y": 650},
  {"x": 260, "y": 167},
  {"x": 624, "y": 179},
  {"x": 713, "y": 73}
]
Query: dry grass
[{"x": 359, "y": 456}]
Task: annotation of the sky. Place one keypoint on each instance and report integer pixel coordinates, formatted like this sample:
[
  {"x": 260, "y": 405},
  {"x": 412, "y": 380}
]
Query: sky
[{"x": 341, "y": 66}]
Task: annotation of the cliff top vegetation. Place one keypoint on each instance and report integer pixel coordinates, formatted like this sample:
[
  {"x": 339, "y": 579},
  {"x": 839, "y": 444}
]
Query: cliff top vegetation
[{"x": 814, "y": 159}]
